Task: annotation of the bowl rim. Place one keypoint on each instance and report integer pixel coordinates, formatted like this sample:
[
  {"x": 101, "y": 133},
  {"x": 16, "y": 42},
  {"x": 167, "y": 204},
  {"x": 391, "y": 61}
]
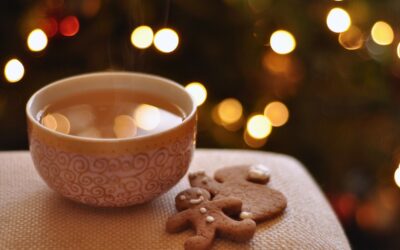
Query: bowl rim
[{"x": 185, "y": 121}]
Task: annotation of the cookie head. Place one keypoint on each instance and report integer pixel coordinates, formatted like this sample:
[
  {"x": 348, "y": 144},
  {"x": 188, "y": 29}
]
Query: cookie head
[{"x": 191, "y": 197}]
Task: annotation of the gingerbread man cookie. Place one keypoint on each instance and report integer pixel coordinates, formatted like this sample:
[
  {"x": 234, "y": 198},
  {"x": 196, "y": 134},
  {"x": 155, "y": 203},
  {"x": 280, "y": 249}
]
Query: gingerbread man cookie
[
  {"x": 208, "y": 218},
  {"x": 246, "y": 183}
]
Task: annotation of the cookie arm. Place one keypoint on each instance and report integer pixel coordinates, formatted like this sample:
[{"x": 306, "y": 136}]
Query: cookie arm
[
  {"x": 229, "y": 205},
  {"x": 178, "y": 222}
]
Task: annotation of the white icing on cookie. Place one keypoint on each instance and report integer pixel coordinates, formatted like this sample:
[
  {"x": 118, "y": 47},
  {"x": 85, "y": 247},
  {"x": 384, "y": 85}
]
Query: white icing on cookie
[
  {"x": 259, "y": 172},
  {"x": 210, "y": 219},
  {"x": 182, "y": 197},
  {"x": 199, "y": 192},
  {"x": 197, "y": 201},
  {"x": 245, "y": 215},
  {"x": 203, "y": 210}
]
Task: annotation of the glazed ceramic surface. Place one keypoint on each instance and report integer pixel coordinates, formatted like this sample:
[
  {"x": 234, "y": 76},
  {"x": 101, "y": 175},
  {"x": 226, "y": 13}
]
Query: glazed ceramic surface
[{"x": 112, "y": 172}]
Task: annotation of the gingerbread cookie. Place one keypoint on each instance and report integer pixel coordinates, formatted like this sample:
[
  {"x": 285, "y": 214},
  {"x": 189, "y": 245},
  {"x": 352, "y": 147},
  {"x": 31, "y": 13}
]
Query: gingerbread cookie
[
  {"x": 208, "y": 218},
  {"x": 246, "y": 183}
]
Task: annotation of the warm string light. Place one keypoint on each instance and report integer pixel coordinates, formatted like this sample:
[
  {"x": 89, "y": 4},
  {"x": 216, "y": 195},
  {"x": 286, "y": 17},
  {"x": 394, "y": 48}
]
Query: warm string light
[
  {"x": 14, "y": 70},
  {"x": 259, "y": 126},
  {"x": 166, "y": 40},
  {"x": 382, "y": 33},
  {"x": 142, "y": 37},
  {"x": 277, "y": 113},
  {"x": 198, "y": 92},
  {"x": 398, "y": 50},
  {"x": 351, "y": 39},
  {"x": 338, "y": 20},
  {"x": 229, "y": 114},
  {"x": 282, "y": 42},
  {"x": 397, "y": 176},
  {"x": 229, "y": 111},
  {"x": 37, "y": 40}
]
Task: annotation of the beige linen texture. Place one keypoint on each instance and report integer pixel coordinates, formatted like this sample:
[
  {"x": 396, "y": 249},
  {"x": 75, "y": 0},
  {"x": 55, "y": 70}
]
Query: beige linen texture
[{"x": 34, "y": 217}]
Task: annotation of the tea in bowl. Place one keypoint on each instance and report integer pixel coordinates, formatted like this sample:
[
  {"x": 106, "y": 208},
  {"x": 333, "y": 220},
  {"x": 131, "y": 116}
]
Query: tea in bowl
[{"x": 111, "y": 139}]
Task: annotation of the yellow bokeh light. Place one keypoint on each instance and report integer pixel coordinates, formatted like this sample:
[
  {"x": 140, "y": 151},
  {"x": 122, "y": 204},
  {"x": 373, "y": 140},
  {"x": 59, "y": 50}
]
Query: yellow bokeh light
[
  {"x": 382, "y": 33},
  {"x": 351, "y": 39},
  {"x": 14, "y": 70},
  {"x": 398, "y": 50},
  {"x": 166, "y": 40},
  {"x": 37, "y": 40},
  {"x": 259, "y": 126},
  {"x": 230, "y": 111},
  {"x": 147, "y": 117},
  {"x": 57, "y": 122},
  {"x": 397, "y": 176},
  {"x": 277, "y": 113},
  {"x": 49, "y": 122},
  {"x": 124, "y": 126},
  {"x": 338, "y": 20},
  {"x": 253, "y": 142},
  {"x": 197, "y": 91},
  {"x": 142, "y": 37},
  {"x": 282, "y": 42},
  {"x": 63, "y": 124}
]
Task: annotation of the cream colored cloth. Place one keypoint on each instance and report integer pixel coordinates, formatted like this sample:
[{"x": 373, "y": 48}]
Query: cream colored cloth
[{"x": 34, "y": 217}]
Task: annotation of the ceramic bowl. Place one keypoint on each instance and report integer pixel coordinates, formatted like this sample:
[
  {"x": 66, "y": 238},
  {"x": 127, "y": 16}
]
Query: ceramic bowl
[{"x": 112, "y": 172}]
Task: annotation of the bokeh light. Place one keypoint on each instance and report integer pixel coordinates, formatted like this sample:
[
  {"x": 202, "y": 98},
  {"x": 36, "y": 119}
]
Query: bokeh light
[
  {"x": 147, "y": 117},
  {"x": 397, "y": 176},
  {"x": 277, "y": 64},
  {"x": 69, "y": 26},
  {"x": 398, "y": 50},
  {"x": 230, "y": 111},
  {"x": 253, "y": 142},
  {"x": 90, "y": 8},
  {"x": 282, "y": 42},
  {"x": 57, "y": 122},
  {"x": 124, "y": 126},
  {"x": 366, "y": 216},
  {"x": 166, "y": 40},
  {"x": 259, "y": 126},
  {"x": 351, "y": 39},
  {"x": 142, "y": 37},
  {"x": 197, "y": 91},
  {"x": 37, "y": 40},
  {"x": 49, "y": 26},
  {"x": 338, "y": 20},
  {"x": 14, "y": 70},
  {"x": 63, "y": 124},
  {"x": 277, "y": 113},
  {"x": 382, "y": 33},
  {"x": 49, "y": 122}
]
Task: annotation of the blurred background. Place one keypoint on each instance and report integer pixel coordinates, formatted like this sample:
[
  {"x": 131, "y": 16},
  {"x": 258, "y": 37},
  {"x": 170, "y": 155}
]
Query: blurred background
[{"x": 318, "y": 80}]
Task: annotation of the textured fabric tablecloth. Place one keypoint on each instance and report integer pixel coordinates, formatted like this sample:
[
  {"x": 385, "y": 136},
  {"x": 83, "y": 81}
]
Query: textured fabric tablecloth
[{"x": 34, "y": 217}]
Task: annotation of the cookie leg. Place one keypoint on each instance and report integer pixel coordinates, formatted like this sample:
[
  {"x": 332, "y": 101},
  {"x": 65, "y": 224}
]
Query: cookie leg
[
  {"x": 198, "y": 242},
  {"x": 238, "y": 230}
]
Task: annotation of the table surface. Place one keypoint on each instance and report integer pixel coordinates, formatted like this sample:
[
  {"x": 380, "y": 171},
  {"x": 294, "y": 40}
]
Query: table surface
[{"x": 32, "y": 216}]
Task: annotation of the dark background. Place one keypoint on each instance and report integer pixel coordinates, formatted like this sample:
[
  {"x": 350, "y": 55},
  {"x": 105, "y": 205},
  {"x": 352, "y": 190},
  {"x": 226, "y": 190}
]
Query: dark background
[{"x": 344, "y": 105}]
